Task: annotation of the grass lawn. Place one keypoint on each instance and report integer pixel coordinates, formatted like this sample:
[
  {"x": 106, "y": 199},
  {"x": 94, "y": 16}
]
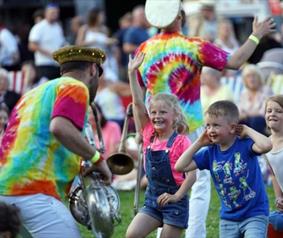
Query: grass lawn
[{"x": 127, "y": 200}]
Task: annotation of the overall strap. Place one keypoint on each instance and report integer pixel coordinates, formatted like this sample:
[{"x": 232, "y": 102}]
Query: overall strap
[{"x": 171, "y": 139}]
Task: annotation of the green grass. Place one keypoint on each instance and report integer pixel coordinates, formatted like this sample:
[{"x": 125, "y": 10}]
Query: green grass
[{"x": 127, "y": 199}]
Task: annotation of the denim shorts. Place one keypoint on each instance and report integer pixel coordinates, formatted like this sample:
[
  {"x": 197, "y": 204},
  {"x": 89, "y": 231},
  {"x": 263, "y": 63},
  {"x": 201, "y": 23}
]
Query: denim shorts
[
  {"x": 253, "y": 227},
  {"x": 175, "y": 214}
]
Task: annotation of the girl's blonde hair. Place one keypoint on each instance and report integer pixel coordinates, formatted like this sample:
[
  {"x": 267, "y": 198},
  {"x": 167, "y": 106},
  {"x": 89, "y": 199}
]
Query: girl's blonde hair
[
  {"x": 180, "y": 124},
  {"x": 275, "y": 98}
]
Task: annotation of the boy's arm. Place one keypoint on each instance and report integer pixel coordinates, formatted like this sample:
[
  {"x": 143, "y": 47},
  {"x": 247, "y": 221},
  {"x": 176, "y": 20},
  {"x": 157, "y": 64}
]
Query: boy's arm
[
  {"x": 185, "y": 162},
  {"x": 262, "y": 144},
  {"x": 139, "y": 109}
]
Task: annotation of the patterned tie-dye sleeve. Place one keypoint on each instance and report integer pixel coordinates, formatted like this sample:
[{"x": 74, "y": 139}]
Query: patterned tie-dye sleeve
[
  {"x": 72, "y": 103},
  {"x": 212, "y": 56}
]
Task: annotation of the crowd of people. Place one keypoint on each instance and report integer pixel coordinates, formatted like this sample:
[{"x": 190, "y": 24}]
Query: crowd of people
[{"x": 204, "y": 107}]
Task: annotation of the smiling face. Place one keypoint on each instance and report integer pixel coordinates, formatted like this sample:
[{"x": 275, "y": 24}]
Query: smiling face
[
  {"x": 219, "y": 129},
  {"x": 274, "y": 115},
  {"x": 162, "y": 116}
]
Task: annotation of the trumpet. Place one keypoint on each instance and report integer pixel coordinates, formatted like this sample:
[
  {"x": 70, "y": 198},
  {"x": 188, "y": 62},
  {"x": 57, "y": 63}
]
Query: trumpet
[{"x": 121, "y": 163}]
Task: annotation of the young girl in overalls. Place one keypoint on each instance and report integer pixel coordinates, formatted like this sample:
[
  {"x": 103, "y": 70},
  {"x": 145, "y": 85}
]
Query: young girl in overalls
[{"x": 161, "y": 128}]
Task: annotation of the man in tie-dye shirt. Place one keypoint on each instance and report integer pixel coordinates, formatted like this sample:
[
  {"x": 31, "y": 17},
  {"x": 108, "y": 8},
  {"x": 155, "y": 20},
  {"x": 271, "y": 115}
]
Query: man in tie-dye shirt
[
  {"x": 173, "y": 64},
  {"x": 43, "y": 144}
]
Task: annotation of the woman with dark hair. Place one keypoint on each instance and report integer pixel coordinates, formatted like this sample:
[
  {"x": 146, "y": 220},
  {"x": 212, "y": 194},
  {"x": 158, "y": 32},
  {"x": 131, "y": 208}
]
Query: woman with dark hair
[{"x": 95, "y": 34}]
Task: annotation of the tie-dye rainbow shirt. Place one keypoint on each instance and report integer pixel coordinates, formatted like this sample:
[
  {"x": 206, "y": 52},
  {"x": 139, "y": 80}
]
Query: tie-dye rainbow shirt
[
  {"x": 31, "y": 159},
  {"x": 172, "y": 64}
]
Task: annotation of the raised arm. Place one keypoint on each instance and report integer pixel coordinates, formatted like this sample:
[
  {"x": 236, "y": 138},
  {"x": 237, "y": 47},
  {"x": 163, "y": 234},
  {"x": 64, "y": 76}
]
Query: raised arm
[
  {"x": 262, "y": 144},
  {"x": 140, "y": 112},
  {"x": 185, "y": 162},
  {"x": 260, "y": 29}
]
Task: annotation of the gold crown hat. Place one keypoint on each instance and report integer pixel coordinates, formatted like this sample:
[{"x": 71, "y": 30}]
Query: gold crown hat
[
  {"x": 162, "y": 13},
  {"x": 79, "y": 53}
]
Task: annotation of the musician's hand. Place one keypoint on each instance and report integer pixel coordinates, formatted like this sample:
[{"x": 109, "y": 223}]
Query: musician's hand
[
  {"x": 87, "y": 170},
  {"x": 106, "y": 174}
]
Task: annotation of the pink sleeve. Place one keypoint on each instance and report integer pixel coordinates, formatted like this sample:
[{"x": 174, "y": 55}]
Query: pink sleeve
[
  {"x": 181, "y": 144},
  {"x": 212, "y": 56},
  {"x": 72, "y": 102},
  {"x": 147, "y": 132}
]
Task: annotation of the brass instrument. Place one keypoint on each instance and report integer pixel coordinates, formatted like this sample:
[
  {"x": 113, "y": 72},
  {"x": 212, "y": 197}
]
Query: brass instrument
[
  {"x": 122, "y": 163},
  {"x": 91, "y": 202},
  {"x": 95, "y": 205}
]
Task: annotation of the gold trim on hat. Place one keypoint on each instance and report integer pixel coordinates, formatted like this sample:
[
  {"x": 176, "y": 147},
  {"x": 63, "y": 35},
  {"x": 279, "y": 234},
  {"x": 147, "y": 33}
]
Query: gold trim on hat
[{"x": 78, "y": 53}]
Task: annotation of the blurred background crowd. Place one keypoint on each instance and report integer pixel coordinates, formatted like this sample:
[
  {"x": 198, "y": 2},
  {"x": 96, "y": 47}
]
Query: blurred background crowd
[{"x": 31, "y": 30}]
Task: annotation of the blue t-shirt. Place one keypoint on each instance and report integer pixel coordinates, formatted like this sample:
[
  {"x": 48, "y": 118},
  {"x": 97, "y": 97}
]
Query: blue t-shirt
[{"x": 237, "y": 178}]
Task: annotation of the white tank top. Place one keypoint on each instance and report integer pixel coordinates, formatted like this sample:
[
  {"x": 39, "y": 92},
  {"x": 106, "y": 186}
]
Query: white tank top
[
  {"x": 276, "y": 161},
  {"x": 99, "y": 38}
]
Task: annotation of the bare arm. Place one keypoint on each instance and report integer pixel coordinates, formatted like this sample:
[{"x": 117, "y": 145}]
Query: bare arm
[
  {"x": 140, "y": 112},
  {"x": 262, "y": 144},
  {"x": 276, "y": 187},
  {"x": 260, "y": 29},
  {"x": 81, "y": 35},
  {"x": 33, "y": 46},
  {"x": 72, "y": 139},
  {"x": 186, "y": 162},
  {"x": 65, "y": 132}
]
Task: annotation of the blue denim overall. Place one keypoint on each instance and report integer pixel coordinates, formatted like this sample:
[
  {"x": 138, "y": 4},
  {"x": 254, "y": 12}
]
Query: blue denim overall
[{"x": 161, "y": 180}]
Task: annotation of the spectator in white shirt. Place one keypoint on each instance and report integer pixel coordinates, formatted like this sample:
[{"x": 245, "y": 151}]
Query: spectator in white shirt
[{"x": 45, "y": 37}]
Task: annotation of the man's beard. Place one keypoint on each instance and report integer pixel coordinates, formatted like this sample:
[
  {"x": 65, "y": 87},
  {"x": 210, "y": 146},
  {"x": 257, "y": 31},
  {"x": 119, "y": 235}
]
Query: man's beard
[{"x": 92, "y": 88}]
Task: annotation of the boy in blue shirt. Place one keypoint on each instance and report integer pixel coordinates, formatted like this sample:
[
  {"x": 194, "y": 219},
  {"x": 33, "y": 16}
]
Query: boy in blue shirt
[{"x": 230, "y": 151}]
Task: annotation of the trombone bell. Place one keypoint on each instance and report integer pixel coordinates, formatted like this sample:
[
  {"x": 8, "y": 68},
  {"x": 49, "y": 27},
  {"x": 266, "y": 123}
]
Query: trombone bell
[{"x": 120, "y": 163}]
